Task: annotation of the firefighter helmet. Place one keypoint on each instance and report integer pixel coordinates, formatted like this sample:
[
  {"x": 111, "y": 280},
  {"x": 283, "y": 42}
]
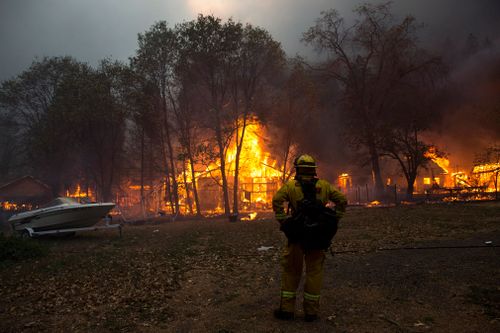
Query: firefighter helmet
[{"x": 305, "y": 161}]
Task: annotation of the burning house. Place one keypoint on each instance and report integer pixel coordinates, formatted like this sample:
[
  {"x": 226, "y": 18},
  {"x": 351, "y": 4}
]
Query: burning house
[
  {"x": 438, "y": 180},
  {"x": 481, "y": 182},
  {"x": 259, "y": 177}
]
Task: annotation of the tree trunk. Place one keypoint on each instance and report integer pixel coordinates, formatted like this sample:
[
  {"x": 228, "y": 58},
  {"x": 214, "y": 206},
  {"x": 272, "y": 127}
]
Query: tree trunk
[
  {"x": 168, "y": 192},
  {"x": 239, "y": 147},
  {"x": 225, "y": 190},
  {"x": 170, "y": 153},
  {"x": 496, "y": 185},
  {"x": 186, "y": 186},
  {"x": 195, "y": 187},
  {"x": 108, "y": 195},
  {"x": 285, "y": 160},
  {"x": 150, "y": 176},
  {"x": 142, "y": 174},
  {"x": 374, "y": 156},
  {"x": 235, "y": 189},
  {"x": 410, "y": 188}
]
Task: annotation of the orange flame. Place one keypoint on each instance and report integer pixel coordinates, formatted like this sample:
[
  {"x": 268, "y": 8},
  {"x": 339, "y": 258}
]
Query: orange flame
[
  {"x": 442, "y": 162},
  {"x": 487, "y": 175},
  {"x": 254, "y": 161},
  {"x": 258, "y": 172},
  {"x": 78, "y": 193}
]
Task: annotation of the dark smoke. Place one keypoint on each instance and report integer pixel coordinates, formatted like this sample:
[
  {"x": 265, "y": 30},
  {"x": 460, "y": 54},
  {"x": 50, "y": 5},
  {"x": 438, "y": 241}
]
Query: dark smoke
[{"x": 471, "y": 119}]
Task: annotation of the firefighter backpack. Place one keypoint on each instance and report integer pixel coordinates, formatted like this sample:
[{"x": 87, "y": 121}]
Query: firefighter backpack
[{"x": 313, "y": 225}]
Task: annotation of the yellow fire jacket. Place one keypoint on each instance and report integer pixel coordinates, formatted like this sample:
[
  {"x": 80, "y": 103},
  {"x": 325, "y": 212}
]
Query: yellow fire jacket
[{"x": 292, "y": 193}]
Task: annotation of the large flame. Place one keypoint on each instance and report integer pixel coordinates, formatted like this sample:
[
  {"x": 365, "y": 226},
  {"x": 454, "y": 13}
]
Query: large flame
[
  {"x": 79, "y": 193},
  {"x": 254, "y": 161},
  {"x": 483, "y": 176},
  {"x": 258, "y": 172},
  {"x": 441, "y": 161},
  {"x": 487, "y": 175},
  {"x": 344, "y": 181},
  {"x": 450, "y": 179}
]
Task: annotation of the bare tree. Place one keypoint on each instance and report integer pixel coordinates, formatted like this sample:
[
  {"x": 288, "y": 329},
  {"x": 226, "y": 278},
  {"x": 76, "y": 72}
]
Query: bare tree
[
  {"x": 296, "y": 104},
  {"x": 414, "y": 104},
  {"x": 370, "y": 59}
]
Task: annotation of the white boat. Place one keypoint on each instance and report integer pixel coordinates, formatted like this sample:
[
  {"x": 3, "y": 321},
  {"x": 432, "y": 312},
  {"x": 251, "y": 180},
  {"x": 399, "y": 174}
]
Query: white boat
[{"x": 61, "y": 213}]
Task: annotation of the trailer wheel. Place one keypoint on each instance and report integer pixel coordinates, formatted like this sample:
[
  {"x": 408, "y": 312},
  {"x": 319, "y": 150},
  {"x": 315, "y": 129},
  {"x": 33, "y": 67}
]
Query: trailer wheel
[{"x": 24, "y": 234}]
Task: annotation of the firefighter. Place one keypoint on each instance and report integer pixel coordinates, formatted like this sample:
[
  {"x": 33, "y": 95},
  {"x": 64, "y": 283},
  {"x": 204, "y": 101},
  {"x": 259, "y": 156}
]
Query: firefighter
[{"x": 295, "y": 252}]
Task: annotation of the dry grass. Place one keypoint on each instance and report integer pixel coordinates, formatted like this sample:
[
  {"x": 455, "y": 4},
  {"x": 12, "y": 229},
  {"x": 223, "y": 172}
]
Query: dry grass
[{"x": 209, "y": 276}]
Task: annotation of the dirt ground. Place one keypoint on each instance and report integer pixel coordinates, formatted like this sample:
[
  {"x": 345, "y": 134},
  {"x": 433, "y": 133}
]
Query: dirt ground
[{"x": 424, "y": 268}]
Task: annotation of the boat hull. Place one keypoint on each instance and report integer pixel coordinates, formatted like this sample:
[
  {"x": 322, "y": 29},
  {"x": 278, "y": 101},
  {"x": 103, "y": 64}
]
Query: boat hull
[{"x": 64, "y": 218}]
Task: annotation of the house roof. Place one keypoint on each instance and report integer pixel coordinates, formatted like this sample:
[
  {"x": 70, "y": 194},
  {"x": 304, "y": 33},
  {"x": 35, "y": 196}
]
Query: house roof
[{"x": 24, "y": 189}]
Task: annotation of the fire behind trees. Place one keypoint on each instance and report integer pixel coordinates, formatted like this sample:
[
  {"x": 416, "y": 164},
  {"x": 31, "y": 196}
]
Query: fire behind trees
[
  {"x": 181, "y": 110},
  {"x": 386, "y": 81}
]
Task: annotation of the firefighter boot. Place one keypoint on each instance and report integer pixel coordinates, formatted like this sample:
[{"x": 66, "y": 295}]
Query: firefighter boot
[{"x": 283, "y": 315}]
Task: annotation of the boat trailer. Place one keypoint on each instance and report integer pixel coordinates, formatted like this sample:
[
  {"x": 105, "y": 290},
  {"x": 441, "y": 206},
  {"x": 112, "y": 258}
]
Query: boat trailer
[{"x": 32, "y": 233}]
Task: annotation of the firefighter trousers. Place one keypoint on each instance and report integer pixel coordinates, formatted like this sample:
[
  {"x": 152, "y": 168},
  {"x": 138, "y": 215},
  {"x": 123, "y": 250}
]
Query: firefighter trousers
[{"x": 292, "y": 266}]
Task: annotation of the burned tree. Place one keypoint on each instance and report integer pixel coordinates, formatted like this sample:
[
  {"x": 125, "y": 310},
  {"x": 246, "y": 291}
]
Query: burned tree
[{"x": 370, "y": 59}]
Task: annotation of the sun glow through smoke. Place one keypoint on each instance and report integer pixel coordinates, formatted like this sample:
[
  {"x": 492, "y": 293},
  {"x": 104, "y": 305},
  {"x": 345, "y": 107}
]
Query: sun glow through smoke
[{"x": 206, "y": 7}]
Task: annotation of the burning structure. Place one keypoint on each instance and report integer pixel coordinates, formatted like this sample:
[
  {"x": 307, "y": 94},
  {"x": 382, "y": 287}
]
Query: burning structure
[
  {"x": 24, "y": 193},
  {"x": 259, "y": 176},
  {"x": 438, "y": 180},
  {"x": 478, "y": 183}
]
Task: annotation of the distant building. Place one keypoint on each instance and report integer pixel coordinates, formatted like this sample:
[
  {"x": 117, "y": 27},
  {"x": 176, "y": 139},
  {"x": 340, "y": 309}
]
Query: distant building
[{"x": 24, "y": 193}]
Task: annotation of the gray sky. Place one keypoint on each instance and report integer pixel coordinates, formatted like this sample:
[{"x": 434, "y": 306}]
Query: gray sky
[{"x": 90, "y": 30}]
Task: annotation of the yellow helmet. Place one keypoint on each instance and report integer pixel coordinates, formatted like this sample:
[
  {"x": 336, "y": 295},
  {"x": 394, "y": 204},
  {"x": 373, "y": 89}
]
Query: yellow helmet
[{"x": 305, "y": 161}]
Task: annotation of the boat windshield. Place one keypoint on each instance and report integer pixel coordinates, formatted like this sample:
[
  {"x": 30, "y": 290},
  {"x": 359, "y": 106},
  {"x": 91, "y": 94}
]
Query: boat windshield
[{"x": 60, "y": 201}]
